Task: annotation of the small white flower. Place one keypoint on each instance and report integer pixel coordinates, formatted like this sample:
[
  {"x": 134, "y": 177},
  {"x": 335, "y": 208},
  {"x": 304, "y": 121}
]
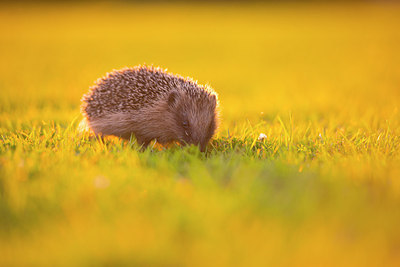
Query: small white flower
[{"x": 262, "y": 136}]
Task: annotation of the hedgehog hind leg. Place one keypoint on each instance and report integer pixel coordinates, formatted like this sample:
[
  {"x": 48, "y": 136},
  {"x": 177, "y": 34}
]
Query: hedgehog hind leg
[
  {"x": 113, "y": 124},
  {"x": 121, "y": 125},
  {"x": 143, "y": 143}
]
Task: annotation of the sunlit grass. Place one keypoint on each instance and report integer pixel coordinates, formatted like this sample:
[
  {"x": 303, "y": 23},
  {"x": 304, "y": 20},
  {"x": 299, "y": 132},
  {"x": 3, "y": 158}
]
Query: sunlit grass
[{"x": 322, "y": 188}]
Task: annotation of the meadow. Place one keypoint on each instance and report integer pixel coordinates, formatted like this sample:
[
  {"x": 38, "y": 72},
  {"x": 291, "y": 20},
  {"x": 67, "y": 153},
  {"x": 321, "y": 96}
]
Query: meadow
[{"x": 321, "y": 81}]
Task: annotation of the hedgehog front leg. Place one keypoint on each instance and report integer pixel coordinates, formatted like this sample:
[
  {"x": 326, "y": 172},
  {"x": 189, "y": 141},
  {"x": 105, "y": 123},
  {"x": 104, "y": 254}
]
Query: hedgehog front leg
[{"x": 144, "y": 143}]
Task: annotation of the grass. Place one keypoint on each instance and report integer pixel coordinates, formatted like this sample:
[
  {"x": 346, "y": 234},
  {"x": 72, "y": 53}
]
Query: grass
[{"x": 322, "y": 189}]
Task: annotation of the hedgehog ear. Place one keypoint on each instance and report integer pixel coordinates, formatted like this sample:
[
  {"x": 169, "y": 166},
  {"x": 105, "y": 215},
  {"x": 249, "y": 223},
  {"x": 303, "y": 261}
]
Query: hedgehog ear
[{"x": 172, "y": 98}]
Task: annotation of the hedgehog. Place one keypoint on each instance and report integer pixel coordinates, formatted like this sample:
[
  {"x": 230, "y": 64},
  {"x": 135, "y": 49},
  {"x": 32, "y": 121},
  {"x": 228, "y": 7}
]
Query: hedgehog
[{"x": 151, "y": 104}]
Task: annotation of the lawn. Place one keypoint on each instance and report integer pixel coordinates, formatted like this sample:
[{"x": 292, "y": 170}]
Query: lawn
[{"x": 321, "y": 81}]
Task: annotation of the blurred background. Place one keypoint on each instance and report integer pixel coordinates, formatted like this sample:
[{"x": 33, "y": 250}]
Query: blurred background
[
  {"x": 320, "y": 78},
  {"x": 261, "y": 57}
]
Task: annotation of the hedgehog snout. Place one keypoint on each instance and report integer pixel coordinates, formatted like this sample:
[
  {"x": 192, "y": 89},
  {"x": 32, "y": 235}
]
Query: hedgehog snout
[
  {"x": 201, "y": 140},
  {"x": 193, "y": 138}
]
